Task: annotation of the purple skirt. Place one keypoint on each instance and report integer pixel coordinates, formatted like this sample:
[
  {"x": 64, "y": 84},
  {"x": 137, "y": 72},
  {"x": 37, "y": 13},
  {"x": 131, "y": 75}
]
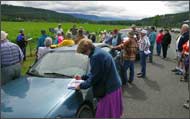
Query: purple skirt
[{"x": 110, "y": 106}]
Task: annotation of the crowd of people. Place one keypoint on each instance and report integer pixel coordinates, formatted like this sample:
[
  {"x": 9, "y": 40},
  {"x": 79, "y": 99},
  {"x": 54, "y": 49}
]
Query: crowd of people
[{"x": 103, "y": 76}]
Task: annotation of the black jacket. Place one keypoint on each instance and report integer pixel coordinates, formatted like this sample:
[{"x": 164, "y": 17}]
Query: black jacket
[
  {"x": 166, "y": 39},
  {"x": 184, "y": 38}
]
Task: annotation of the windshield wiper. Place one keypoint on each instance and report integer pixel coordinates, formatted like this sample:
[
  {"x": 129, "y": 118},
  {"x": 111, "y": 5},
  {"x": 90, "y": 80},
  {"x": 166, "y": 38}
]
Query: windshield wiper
[
  {"x": 34, "y": 73},
  {"x": 58, "y": 74}
]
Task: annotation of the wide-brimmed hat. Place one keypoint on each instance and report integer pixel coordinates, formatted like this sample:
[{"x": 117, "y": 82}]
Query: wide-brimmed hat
[
  {"x": 3, "y": 35},
  {"x": 133, "y": 25},
  {"x": 130, "y": 34},
  {"x": 144, "y": 31}
]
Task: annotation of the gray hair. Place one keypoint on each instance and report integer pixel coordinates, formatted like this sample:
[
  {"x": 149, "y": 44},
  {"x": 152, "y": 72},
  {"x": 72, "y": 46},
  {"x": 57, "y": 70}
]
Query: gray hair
[
  {"x": 48, "y": 42},
  {"x": 68, "y": 35},
  {"x": 186, "y": 26}
]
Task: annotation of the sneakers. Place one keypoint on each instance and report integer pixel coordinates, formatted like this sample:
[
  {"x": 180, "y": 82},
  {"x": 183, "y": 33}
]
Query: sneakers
[
  {"x": 174, "y": 70},
  {"x": 179, "y": 73},
  {"x": 141, "y": 76},
  {"x": 186, "y": 105},
  {"x": 139, "y": 73}
]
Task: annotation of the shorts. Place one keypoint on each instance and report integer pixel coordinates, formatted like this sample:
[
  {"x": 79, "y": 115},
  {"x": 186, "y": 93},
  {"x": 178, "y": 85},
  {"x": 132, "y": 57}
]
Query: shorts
[{"x": 179, "y": 56}]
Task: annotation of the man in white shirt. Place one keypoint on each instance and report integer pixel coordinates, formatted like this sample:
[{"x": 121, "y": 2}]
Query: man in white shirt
[
  {"x": 144, "y": 45},
  {"x": 59, "y": 29}
]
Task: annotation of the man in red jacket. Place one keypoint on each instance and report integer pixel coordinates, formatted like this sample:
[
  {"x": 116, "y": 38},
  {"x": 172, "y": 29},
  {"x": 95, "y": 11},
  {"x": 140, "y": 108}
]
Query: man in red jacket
[{"x": 159, "y": 38}]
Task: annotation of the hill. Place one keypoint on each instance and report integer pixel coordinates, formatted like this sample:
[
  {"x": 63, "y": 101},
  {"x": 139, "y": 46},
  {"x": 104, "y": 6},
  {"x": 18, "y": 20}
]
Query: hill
[
  {"x": 18, "y": 13},
  {"x": 95, "y": 18}
]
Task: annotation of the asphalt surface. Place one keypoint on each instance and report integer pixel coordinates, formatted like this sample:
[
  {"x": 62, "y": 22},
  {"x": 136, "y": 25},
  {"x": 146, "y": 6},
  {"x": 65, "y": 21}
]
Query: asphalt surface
[{"x": 161, "y": 94}]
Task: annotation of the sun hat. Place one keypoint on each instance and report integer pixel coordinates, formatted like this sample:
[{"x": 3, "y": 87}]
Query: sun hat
[
  {"x": 133, "y": 25},
  {"x": 3, "y": 35},
  {"x": 130, "y": 34},
  {"x": 144, "y": 31}
]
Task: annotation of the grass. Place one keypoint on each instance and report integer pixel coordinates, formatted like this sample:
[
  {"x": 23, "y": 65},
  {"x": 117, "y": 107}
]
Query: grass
[{"x": 32, "y": 30}]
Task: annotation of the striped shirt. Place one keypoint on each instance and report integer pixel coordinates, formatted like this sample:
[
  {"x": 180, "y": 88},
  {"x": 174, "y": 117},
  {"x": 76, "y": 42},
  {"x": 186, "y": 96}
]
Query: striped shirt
[
  {"x": 144, "y": 43},
  {"x": 10, "y": 54}
]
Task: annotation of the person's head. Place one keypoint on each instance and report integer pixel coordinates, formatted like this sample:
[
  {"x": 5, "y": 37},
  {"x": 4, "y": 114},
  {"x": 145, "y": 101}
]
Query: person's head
[
  {"x": 143, "y": 32},
  {"x": 85, "y": 46},
  {"x": 115, "y": 31},
  {"x": 184, "y": 28},
  {"x": 3, "y": 35},
  {"x": 59, "y": 25},
  {"x": 43, "y": 31},
  {"x": 69, "y": 35},
  {"x": 80, "y": 32},
  {"x": 130, "y": 34},
  {"x": 161, "y": 31},
  {"x": 152, "y": 28},
  {"x": 59, "y": 33},
  {"x": 133, "y": 26},
  {"x": 48, "y": 42},
  {"x": 21, "y": 31},
  {"x": 166, "y": 31}
]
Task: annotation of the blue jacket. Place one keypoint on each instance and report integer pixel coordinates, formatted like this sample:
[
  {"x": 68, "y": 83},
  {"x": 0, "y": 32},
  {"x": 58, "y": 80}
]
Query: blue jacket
[
  {"x": 103, "y": 75},
  {"x": 41, "y": 41},
  {"x": 152, "y": 38},
  {"x": 184, "y": 38}
]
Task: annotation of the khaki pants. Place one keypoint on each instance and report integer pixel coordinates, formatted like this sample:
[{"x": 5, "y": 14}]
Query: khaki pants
[{"x": 10, "y": 73}]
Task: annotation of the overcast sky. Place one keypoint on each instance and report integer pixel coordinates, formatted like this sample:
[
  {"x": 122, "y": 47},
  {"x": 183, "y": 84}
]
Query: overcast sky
[{"x": 122, "y": 9}]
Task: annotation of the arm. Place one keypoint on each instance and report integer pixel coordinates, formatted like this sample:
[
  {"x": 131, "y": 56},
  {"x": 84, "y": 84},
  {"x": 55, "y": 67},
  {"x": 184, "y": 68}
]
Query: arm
[{"x": 94, "y": 75}]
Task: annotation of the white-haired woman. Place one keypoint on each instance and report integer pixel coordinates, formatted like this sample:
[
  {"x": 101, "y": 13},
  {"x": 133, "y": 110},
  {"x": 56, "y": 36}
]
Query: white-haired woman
[
  {"x": 43, "y": 50},
  {"x": 104, "y": 80}
]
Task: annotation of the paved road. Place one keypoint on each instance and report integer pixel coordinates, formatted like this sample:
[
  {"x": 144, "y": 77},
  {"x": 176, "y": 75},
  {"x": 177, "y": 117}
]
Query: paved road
[{"x": 160, "y": 95}]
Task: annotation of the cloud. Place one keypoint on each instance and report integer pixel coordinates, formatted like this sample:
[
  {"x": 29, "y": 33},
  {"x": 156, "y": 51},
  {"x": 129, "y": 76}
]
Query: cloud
[{"x": 122, "y": 9}]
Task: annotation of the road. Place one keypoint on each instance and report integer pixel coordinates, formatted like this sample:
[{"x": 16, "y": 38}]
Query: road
[{"x": 161, "y": 94}]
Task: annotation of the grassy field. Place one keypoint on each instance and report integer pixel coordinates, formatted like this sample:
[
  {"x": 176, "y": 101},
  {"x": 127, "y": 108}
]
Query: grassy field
[{"x": 32, "y": 30}]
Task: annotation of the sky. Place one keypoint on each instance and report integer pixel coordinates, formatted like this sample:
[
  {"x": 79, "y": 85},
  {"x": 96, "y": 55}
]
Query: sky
[{"x": 120, "y": 9}]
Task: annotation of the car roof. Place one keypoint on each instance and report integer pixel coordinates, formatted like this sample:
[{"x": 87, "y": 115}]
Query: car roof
[{"x": 74, "y": 47}]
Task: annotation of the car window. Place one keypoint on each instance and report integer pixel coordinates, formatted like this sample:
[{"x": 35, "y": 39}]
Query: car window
[{"x": 65, "y": 63}]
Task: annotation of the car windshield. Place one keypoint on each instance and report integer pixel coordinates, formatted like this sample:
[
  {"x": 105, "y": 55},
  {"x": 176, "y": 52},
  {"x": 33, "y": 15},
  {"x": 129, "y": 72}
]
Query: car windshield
[{"x": 61, "y": 64}]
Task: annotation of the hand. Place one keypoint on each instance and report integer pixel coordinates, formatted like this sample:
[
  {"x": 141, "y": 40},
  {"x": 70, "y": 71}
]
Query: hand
[{"x": 78, "y": 87}]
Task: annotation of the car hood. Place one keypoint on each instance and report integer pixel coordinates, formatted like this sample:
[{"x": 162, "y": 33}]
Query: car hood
[{"x": 32, "y": 96}]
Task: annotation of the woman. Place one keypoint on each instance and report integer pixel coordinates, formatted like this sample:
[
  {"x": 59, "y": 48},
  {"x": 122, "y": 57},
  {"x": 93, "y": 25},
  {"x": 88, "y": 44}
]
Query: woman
[
  {"x": 43, "y": 50},
  {"x": 104, "y": 80},
  {"x": 80, "y": 36},
  {"x": 68, "y": 41}
]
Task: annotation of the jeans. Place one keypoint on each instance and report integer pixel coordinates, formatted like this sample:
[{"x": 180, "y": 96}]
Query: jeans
[
  {"x": 158, "y": 48},
  {"x": 129, "y": 65},
  {"x": 24, "y": 52},
  {"x": 143, "y": 63}
]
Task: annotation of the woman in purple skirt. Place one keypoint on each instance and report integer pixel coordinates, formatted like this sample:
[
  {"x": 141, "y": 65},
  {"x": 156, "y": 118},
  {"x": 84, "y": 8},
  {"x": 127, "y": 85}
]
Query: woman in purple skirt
[{"x": 104, "y": 79}]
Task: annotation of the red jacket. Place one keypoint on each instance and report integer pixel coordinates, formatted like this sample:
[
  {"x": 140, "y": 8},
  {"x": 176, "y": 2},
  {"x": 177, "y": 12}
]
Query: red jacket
[{"x": 159, "y": 38}]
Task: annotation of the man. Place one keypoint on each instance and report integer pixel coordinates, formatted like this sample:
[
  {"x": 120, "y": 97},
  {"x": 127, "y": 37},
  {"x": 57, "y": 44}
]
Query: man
[
  {"x": 166, "y": 42},
  {"x": 159, "y": 38},
  {"x": 73, "y": 30},
  {"x": 59, "y": 29},
  {"x": 41, "y": 39},
  {"x": 133, "y": 27},
  {"x": 152, "y": 38},
  {"x": 11, "y": 58},
  {"x": 144, "y": 45},
  {"x": 179, "y": 47},
  {"x": 22, "y": 42},
  {"x": 130, "y": 49}
]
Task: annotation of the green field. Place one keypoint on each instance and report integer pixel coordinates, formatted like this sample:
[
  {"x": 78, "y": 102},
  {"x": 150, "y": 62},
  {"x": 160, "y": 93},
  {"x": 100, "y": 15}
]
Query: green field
[{"x": 32, "y": 29}]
